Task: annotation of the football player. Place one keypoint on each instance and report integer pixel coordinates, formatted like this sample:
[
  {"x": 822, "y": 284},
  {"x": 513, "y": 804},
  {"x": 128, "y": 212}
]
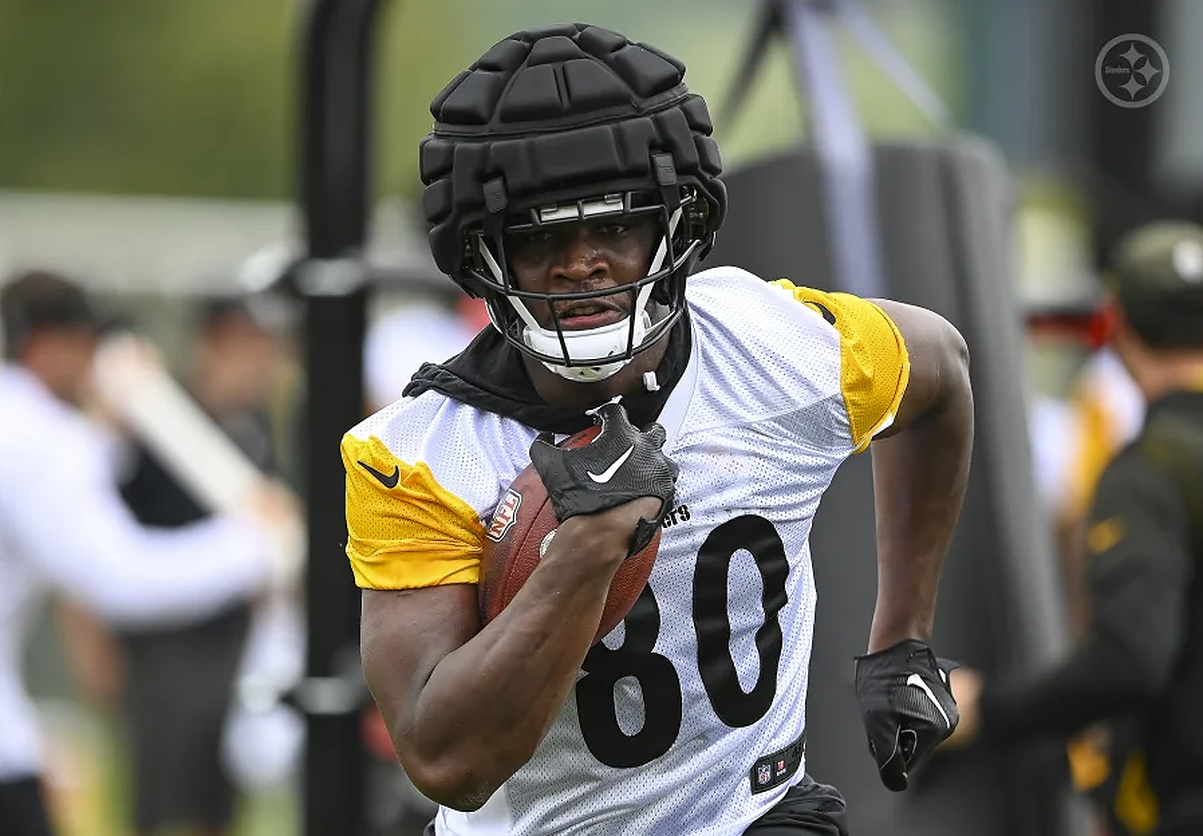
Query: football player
[{"x": 572, "y": 183}]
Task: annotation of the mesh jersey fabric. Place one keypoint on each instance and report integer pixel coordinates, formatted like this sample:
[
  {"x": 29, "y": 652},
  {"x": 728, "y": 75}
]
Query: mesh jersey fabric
[{"x": 708, "y": 673}]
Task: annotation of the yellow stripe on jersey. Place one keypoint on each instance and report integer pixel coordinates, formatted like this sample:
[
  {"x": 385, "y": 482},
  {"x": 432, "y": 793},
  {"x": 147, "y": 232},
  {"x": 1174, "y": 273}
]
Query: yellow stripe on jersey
[
  {"x": 874, "y": 364},
  {"x": 405, "y": 529},
  {"x": 1098, "y": 441}
]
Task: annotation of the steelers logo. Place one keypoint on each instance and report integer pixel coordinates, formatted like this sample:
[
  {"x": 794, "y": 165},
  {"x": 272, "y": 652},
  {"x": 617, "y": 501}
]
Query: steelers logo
[{"x": 1132, "y": 70}]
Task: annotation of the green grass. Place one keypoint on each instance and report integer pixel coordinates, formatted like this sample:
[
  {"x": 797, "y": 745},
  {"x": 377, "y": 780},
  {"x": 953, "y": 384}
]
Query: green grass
[{"x": 93, "y": 792}]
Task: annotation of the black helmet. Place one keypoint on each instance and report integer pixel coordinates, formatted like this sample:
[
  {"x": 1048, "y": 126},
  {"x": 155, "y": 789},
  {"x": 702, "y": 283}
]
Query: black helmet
[{"x": 559, "y": 125}]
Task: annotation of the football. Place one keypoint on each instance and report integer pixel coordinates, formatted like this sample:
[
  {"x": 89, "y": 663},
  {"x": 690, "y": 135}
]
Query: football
[{"x": 518, "y": 535}]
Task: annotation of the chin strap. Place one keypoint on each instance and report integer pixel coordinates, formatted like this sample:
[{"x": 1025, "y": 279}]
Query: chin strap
[
  {"x": 586, "y": 374},
  {"x": 601, "y": 371}
]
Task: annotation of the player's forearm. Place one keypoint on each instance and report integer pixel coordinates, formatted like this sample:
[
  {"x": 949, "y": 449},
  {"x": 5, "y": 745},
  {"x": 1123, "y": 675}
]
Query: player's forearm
[
  {"x": 487, "y": 705},
  {"x": 919, "y": 480}
]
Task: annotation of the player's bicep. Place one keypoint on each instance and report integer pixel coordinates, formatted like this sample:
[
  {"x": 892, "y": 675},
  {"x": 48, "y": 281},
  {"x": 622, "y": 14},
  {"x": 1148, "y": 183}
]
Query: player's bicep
[
  {"x": 403, "y": 637},
  {"x": 405, "y": 530},
  {"x": 937, "y": 355}
]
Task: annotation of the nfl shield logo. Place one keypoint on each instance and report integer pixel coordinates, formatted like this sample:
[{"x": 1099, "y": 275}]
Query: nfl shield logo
[
  {"x": 764, "y": 773},
  {"x": 504, "y": 516},
  {"x": 781, "y": 767}
]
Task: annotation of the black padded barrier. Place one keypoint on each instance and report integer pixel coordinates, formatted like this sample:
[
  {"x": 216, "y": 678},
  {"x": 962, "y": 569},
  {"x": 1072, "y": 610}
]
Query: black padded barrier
[{"x": 944, "y": 210}]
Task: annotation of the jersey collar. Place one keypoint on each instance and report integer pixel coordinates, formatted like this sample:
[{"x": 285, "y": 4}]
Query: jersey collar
[{"x": 489, "y": 375}]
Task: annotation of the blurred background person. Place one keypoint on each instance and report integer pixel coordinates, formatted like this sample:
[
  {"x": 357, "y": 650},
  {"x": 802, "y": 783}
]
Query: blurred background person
[
  {"x": 179, "y": 679},
  {"x": 1074, "y": 438},
  {"x": 1139, "y": 663},
  {"x": 65, "y": 528},
  {"x": 1106, "y": 410}
]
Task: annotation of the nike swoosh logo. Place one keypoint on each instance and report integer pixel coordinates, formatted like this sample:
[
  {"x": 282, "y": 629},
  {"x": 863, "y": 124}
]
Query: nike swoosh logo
[
  {"x": 390, "y": 481},
  {"x": 917, "y": 681},
  {"x": 607, "y": 474}
]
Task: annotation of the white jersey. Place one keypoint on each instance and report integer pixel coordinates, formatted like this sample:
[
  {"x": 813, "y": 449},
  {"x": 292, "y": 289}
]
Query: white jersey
[{"x": 689, "y": 717}]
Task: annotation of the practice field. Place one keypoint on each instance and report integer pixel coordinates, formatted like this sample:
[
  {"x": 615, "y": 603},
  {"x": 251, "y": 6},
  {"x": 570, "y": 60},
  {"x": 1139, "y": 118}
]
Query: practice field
[{"x": 89, "y": 796}]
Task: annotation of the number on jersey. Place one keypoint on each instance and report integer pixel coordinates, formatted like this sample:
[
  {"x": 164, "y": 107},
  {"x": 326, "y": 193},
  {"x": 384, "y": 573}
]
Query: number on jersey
[{"x": 656, "y": 675}]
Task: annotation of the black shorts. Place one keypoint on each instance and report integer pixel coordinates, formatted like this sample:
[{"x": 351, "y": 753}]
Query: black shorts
[
  {"x": 808, "y": 809},
  {"x": 22, "y": 809},
  {"x": 179, "y": 685}
]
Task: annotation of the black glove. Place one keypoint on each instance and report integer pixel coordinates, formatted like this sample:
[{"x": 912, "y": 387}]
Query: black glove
[
  {"x": 621, "y": 464},
  {"x": 906, "y": 705}
]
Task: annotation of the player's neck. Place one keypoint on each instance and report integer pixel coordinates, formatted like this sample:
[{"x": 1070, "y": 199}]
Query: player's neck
[
  {"x": 53, "y": 375},
  {"x": 558, "y": 391},
  {"x": 1184, "y": 375},
  {"x": 1161, "y": 375}
]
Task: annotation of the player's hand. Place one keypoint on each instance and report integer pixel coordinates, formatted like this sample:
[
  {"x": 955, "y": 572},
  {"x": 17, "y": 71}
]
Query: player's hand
[
  {"x": 906, "y": 705},
  {"x": 621, "y": 464},
  {"x": 615, "y": 534},
  {"x": 966, "y": 685}
]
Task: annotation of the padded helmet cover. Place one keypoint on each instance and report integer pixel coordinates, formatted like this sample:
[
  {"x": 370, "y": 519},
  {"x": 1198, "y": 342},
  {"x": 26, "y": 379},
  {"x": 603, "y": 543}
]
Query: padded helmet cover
[{"x": 557, "y": 114}]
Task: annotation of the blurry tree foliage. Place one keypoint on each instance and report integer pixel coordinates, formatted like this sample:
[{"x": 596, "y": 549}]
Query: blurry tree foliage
[
  {"x": 147, "y": 96},
  {"x": 199, "y": 97}
]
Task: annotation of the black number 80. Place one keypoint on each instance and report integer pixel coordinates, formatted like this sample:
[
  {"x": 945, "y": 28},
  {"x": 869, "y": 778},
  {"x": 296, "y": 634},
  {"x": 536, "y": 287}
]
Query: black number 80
[{"x": 658, "y": 680}]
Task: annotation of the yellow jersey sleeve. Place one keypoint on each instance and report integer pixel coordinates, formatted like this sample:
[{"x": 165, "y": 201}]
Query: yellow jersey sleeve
[
  {"x": 874, "y": 364},
  {"x": 404, "y": 529}
]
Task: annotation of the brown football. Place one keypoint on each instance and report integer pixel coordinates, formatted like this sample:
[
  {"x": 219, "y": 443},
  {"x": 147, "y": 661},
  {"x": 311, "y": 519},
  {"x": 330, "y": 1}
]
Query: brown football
[{"x": 517, "y": 537}]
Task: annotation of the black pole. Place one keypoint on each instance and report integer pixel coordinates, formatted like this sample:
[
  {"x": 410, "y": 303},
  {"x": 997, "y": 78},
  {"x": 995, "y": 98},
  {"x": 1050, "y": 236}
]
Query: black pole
[
  {"x": 335, "y": 196},
  {"x": 1120, "y": 140}
]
